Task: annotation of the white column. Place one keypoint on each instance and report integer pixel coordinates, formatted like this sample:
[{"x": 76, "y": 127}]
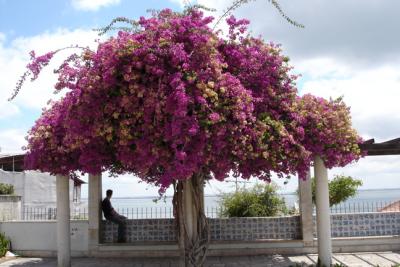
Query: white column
[
  {"x": 95, "y": 190},
  {"x": 63, "y": 223},
  {"x": 323, "y": 212},
  {"x": 306, "y": 210}
]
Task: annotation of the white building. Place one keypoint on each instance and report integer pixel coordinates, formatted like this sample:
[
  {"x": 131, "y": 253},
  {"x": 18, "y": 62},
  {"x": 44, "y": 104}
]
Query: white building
[{"x": 37, "y": 189}]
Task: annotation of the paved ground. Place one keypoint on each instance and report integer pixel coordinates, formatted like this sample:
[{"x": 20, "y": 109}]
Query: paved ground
[{"x": 381, "y": 259}]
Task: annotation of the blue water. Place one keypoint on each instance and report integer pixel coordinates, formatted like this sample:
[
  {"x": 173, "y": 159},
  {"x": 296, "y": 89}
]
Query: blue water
[{"x": 377, "y": 197}]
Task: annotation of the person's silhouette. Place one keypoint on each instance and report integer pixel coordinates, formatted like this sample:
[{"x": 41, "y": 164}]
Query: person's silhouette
[{"x": 113, "y": 216}]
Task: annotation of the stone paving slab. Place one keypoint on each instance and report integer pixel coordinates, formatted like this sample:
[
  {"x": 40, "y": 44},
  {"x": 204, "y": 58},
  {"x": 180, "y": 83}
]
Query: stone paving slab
[
  {"x": 314, "y": 259},
  {"x": 394, "y": 257},
  {"x": 375, "y": 259},
  {"x": 351, "y": 260},
  {"x": 302, "y": 259},
  {"x": 384, "y": 259}
]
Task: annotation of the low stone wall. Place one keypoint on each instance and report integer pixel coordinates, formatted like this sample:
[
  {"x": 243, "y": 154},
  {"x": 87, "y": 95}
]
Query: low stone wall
[
  {"x": 250, "y": 229},
  {"x": 10, "y": 207},
  {"x": 230, "y": 237},
  {"x": 365, "y": 224},
  {"x": 224, "y": 229},
  {"x": 253, "y": 229},
  {"x": 140, "y": 230}
]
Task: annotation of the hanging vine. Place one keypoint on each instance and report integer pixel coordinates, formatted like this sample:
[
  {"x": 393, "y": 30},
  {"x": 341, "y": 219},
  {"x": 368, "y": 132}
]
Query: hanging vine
[{"x": 238, "y": 3}]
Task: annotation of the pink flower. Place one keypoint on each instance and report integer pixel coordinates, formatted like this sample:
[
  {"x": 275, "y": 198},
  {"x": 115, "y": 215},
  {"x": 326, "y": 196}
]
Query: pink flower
[
  {"x": 176, "y": 99},
  {"x": 214, "y": 117}
]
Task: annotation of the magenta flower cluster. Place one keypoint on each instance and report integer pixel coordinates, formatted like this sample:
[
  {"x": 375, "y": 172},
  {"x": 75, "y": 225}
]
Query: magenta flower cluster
[{"x": 176, "y": 99}]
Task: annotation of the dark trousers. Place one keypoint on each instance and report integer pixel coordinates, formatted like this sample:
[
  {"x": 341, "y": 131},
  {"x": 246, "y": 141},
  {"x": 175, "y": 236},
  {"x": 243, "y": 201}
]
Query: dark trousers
[{"x": 121, "y": 221}]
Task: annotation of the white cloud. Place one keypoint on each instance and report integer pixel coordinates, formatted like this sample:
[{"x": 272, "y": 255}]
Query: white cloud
[
  {"x": 320, "y": 67},
  {"x": 11, "y": 140},
  {"x": 93, "y": 5},
  {"x": 361, "y": 35},
  {"x": 15, "y": 56},
  {"x": 372, "y": 95},
  {"x": 181, "y": 3},
  {"x": 374, "y": 171},
  {"x": 7, "y": 109}
]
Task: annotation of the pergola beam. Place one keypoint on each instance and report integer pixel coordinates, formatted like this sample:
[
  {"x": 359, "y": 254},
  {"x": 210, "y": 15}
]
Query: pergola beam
[
  {"x": 387, "y": 152},
  {"x": 393, "y": 141},
  {"x": 391, "y": 147}
]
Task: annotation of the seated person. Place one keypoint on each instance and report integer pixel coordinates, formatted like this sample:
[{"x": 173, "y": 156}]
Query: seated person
[{"x": 111, "y": 215}]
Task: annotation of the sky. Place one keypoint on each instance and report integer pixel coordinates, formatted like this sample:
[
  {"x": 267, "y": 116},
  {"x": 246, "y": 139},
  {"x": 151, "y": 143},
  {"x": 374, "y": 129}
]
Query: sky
[{"x": 346, "y": 49}]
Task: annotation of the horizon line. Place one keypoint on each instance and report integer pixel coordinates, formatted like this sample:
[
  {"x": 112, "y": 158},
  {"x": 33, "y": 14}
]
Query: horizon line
[{"x": 213, "y": 195}]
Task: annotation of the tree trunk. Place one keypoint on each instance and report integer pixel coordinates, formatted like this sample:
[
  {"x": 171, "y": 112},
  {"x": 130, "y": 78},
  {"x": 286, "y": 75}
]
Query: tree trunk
[{"x": 193, "y": 230}]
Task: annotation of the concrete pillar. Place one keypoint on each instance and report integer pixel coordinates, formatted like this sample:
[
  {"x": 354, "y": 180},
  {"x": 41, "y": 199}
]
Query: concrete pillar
[
  {"x": 306, "y": 210},
  {"x": 63, "y": 223},
  {"x": 95, "y": 197},
  {"x": 323, "y": 212}
]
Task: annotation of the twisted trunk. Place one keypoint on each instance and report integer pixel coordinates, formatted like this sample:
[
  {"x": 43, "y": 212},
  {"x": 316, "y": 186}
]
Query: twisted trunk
[{"x": 193, "y": 229}]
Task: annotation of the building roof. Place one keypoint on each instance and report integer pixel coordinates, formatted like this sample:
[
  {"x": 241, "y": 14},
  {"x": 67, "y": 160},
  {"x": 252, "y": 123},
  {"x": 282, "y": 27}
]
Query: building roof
[
  {"x": 15, "y": 162},
  {"x": 12, "y": 162},
  {"x": 395, "y": 206}
]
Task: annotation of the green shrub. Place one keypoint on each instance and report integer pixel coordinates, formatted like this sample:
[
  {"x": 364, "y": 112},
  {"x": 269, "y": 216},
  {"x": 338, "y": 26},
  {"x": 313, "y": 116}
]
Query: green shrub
[
  {"x": 258, "y": 201},
  {"x": 341, "y": 188},
  {"x": 4, "y": 245},
  {"x": 6, "y": 189}
]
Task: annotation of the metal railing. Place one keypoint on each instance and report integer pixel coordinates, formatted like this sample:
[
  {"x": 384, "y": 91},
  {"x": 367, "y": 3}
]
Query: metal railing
[
  {"x": 36, "y": 213},
  {"x": 146, "y": 212},
  {"x": 366, "y": 206},
  {"x": 50, "y": 213},
  {"x": 33, "y": 213}
]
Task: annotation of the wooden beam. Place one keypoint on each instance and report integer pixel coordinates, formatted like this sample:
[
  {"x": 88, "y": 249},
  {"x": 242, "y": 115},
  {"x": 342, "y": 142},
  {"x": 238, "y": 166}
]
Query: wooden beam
[
  {"x": 369, "y": 141},
  {"x": 393, "y": 141},
  {"x": 391, "y": 147},
  {"x": 383, "y": 152},
  {"x": 380, "y": 146}
]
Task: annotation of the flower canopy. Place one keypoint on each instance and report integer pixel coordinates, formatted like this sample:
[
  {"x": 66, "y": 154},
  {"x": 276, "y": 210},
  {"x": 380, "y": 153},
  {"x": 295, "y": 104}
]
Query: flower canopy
[{"x": 176, "y": 98}]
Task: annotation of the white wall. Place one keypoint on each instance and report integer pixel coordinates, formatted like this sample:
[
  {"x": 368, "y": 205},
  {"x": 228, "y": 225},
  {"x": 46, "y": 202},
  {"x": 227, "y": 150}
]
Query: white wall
[
  {"x": 39, "y": 189},
  {"x": 10, "y": 207},
  {"x": 17, "y": 179},
  {"x": 36, "y": 188},
  {"x": 28, "y": 236}
]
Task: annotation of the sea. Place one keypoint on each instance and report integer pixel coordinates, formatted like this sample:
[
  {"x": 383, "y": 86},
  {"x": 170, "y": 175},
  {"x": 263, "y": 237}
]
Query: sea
[{"x": 365, "y": 201}]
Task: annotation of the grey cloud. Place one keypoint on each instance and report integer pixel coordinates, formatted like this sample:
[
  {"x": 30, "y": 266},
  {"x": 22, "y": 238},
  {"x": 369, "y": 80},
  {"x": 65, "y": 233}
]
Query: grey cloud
[
  {"x": 381, "y": 128},
  {"x": 365, "y": 33}
]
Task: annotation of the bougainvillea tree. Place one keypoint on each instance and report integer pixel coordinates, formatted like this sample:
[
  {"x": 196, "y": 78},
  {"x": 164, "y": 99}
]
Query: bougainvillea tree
[{"x": 177, "y": 103}]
